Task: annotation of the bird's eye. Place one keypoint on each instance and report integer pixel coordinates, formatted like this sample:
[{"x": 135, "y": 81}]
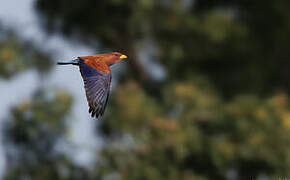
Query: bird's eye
[{"x": 116, "y": 54}]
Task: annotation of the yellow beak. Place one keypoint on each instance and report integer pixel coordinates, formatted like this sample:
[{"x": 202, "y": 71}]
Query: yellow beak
[{"x": 123, "y": 56}]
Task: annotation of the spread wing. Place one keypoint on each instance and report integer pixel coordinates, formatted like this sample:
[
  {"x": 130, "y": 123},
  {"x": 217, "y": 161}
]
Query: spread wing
[{"x": 97, "y": 86}]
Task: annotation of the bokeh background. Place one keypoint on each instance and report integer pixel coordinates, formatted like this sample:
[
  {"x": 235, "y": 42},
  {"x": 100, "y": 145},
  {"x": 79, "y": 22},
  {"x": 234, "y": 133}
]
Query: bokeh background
[{"x": 204, "y": 94}]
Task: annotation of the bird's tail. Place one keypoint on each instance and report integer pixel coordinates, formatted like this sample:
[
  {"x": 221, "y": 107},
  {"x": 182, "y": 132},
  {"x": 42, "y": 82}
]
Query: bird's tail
[{"x": 73, "y": 62}]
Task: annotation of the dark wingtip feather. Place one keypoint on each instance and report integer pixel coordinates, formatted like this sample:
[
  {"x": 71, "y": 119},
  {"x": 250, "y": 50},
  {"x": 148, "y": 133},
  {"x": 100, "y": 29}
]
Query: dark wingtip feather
[{"x": 95, "y": 112}]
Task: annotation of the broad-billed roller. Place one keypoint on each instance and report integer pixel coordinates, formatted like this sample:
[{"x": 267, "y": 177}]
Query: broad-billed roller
[{"x": 97, "y": 76}]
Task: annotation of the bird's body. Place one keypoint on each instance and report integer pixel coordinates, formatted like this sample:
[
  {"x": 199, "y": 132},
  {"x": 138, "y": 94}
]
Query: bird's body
[{"x": 96, "y": 74}]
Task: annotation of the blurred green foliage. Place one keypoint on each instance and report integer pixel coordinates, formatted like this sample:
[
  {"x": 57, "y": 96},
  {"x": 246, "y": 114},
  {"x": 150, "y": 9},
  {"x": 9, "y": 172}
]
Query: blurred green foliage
[
  {"x": 195, "y": 135},
  {"x": 17, "y": 55},
  {"x": 222, "y": 112},
  {"x": 33, "y": 131}
]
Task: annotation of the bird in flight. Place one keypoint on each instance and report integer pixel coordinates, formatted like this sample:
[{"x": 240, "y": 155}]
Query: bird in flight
[{"x": 97, "y": 76}]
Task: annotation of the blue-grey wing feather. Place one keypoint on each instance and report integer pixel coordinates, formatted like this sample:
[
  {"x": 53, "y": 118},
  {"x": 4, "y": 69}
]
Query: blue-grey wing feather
[{"x": 97, "y": 86}]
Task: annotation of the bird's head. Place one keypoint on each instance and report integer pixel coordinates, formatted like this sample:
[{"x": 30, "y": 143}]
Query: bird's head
[{"x": 114, "y": 57}]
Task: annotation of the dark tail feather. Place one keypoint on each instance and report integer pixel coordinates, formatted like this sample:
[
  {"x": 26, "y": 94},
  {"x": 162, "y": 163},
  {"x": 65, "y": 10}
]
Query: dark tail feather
[{"x": 73, "y": 62}]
